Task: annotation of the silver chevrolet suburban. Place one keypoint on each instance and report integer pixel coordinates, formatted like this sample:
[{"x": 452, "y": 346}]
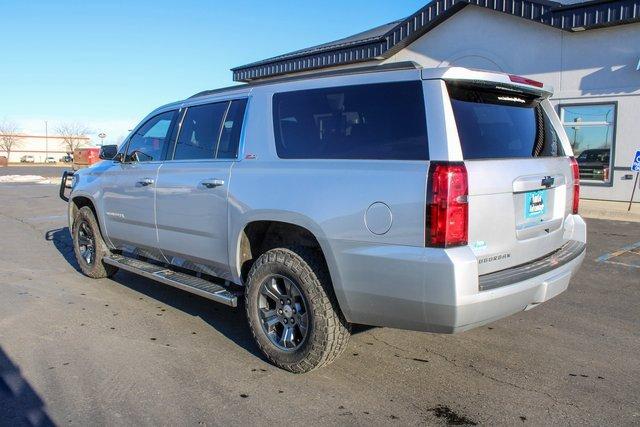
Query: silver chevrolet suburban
[{"x": 434, "y": 200}]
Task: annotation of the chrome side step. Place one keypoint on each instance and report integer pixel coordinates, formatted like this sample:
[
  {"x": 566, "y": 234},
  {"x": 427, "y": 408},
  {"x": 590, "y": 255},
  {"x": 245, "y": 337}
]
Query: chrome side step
[{"x": 188, "y": 283}]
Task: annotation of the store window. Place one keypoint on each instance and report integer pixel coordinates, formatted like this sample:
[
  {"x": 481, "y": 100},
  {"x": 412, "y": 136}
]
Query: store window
[{"x": 591, "y": 132}]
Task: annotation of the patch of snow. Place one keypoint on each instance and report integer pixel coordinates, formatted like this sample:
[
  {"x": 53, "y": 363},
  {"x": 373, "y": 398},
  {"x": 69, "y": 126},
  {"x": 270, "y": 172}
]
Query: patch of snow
[
  {"x": 21, "y": 178},
  {"x": 55, "y": 181}
]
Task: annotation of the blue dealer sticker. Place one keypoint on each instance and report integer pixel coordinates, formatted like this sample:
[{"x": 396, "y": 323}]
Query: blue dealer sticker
[{"x": 535, "y": 203}]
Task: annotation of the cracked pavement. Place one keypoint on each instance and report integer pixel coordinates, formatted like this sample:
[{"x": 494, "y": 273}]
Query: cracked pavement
[{"x": 128, "y": 351}]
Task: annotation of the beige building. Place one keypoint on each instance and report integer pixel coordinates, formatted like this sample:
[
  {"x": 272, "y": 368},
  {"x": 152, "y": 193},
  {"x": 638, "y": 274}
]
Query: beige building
[
  {"x": 40, "y": 147},
  {"x": 589, "y": 51}
]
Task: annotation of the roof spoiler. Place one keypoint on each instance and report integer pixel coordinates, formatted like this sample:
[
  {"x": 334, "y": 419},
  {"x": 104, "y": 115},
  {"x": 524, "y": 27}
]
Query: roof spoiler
[{"x": 509, "y": 82}]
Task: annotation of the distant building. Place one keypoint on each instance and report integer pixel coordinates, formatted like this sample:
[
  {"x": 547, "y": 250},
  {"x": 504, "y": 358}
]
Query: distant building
[
  {"x": 589, "y": 52},
  {"x": 40, "y": 147}
]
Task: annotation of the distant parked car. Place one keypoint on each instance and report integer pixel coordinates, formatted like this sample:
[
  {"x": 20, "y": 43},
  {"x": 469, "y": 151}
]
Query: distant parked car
[
  {"x": 66, "y": 159},
  {"x": 594, "y": 164},
  {"x": 4, "y": 161},
  {"x": 50, "y": 160},
  {"x": 27, "y": 159}
]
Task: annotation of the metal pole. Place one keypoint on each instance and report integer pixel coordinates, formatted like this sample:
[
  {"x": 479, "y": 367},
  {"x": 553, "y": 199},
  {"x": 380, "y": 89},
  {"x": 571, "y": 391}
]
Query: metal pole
[
  {"x": 46, "y": 140},
  {"x": 635, "y": 184}
]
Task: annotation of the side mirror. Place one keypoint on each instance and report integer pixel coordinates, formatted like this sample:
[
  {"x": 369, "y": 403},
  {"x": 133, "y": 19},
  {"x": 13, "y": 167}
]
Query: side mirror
[{"x": 108, "y": 152}]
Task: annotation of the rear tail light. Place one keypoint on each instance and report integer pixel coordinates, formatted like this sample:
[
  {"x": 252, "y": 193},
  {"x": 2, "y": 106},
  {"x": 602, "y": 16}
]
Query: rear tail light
[
  {"x": 525, "y": 81},
  {"x": 575, "y": 170},
  {"x": 605, "y": 174},
  {"x": 447, "y": 219}
]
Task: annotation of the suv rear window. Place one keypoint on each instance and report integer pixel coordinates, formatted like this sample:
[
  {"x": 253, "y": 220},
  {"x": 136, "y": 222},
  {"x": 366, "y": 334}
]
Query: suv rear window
[
  {"x": 374, "y": 121},
  {"x": 200, "y": 131},
  {"x": 211, "y": 131},
  {"x": 494, "y": 124}
]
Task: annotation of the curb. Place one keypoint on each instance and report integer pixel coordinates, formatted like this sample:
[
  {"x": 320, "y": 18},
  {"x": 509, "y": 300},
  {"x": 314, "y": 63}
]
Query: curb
[{"x": 615, "y": 211}]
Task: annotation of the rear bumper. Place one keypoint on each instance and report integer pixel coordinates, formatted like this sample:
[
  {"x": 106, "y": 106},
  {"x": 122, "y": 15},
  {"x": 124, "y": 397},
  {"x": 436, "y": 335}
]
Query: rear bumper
[
  {"x": 495, "y": 304},
  {"x": 570, "y": 251},
  {"x": 437, "y": 290}
]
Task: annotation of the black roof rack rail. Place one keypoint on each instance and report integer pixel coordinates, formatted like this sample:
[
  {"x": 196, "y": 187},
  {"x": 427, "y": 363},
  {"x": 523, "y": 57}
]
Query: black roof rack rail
[
  {"x": 220, "y": 90},
  {"x": 392, "y": 66}
]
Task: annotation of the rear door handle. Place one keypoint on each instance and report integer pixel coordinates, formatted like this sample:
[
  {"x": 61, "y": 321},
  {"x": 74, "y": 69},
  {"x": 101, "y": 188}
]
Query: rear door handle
[
  {"x": 212, "y": 183},
  {"x": 145, "y": 182}
]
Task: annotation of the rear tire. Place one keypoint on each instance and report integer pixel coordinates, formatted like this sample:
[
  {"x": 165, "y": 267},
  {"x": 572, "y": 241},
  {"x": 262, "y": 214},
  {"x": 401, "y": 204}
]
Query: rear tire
[
  {"x": 279, "y": 326},
  {"x": 88, "y": 245}
]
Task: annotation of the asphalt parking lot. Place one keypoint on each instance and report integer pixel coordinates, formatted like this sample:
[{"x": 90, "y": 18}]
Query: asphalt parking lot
[
  {"x": 46, "y": 171},
  {"x": 76, "y": 351}
]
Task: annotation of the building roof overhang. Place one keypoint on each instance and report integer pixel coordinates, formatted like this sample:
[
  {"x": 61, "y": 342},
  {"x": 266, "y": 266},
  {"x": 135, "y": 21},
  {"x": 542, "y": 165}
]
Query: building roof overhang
[{"x": 384, "y": 41}]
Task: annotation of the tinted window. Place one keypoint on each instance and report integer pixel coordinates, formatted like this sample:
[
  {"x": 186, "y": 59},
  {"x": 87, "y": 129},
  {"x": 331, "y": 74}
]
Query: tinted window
[
  {"x": 149, "y": 141},
  {"x": 230, "y": 136},
  {"x": 200, "y": 131},
  {"x": 377, "y": 121},
  {"x": 496, "y": 125}
]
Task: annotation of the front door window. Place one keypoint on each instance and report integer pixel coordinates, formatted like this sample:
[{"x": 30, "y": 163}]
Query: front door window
[{"x": 149, "y": 142}]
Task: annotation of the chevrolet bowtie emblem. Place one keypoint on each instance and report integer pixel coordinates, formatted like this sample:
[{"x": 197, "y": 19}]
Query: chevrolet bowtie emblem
[{"x": 548, "y": 181}]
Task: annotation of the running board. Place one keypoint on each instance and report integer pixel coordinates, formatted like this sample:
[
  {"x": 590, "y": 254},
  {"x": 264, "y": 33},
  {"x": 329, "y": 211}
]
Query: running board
[{"x": 165, "y": 275}]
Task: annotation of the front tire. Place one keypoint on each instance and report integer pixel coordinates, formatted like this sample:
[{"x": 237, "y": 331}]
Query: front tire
[
  {"x": 292, "y": 311},
  {"x": 88, "y": 245}
]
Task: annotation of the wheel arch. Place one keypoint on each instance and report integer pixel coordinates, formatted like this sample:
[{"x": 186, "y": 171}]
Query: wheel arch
[
  {"x": 308, "y": 233},
  {"x": 80, "y": 200}
]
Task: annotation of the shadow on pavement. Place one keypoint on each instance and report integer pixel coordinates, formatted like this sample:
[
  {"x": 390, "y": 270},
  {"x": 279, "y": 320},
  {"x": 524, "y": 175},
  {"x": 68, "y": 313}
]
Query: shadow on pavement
[
  {"x": 20, "y": 405},
  {"x": 62, "y": 241},
  {"x": 231, "y": 322}
]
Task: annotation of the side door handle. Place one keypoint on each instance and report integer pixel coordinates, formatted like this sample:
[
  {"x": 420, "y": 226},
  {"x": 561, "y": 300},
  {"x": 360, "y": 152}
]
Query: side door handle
[
  {"x": 211, "y": 183},
  {"x": 145, "y": 182}
]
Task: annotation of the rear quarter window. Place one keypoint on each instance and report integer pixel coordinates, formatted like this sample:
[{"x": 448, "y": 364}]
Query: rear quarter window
[
  {"x": 493, "y": 124},
  {"x": 375, "y": 121}
]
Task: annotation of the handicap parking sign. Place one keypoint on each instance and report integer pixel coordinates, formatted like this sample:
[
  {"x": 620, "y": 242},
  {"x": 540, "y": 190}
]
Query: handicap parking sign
[{"x": 636, "y": 162}]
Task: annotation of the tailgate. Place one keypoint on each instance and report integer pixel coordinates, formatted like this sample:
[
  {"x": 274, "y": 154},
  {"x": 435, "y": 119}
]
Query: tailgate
[
  {"x": 517, "y": 209},
  {"x": 520, "y": 178}
]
